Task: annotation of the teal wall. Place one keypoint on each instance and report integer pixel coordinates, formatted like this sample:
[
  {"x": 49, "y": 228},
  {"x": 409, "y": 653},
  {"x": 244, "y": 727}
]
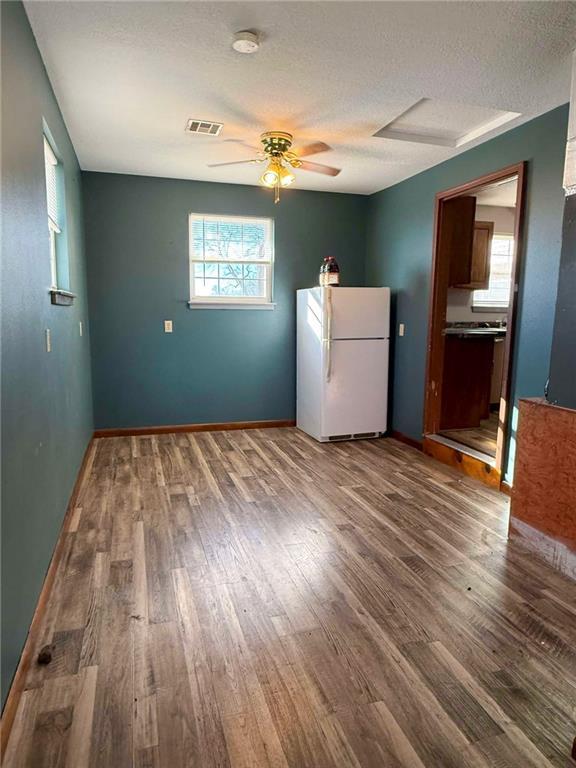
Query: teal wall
[
  {"x": 218, "y": 365},
  {"x": 562, "y": 390},
  {"x": 400, "y": 255},
  {"x": 46, "y": 398}
]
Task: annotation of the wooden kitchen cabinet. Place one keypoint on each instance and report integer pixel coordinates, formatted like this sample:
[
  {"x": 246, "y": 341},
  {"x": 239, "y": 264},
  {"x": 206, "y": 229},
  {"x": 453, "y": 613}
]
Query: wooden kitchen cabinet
[
  {"x": 468, "y": 244},
  {"x": 457, "y": 237},
  {"x": 479, "y": 267}
]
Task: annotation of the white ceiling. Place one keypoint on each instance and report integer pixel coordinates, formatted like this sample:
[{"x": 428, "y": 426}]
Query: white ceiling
[
  {"x": 498, "y": 195},
  {"x": 128, "y": 75}
]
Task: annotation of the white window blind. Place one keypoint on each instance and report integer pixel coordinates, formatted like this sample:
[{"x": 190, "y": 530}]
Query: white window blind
[
  {"x": 51, "y": 170},
  {"x": 497, "y": 295},
  {"x": 231, "y": 259}
]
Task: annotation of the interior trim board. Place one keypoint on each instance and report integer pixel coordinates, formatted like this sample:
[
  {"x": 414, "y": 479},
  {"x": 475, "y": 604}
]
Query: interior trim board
[{"x": 174, "y": 428}]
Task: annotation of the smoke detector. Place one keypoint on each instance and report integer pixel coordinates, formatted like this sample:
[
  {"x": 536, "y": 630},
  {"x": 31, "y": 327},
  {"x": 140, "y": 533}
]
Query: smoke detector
[{"x": 245, "y": 42}]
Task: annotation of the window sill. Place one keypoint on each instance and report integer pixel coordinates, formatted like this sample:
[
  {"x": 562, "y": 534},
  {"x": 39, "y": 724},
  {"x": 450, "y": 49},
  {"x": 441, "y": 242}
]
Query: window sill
[
  {"x": 230, "y": 305},
  {"x": 61, "y": 298},
  {"x": 493, "y": 310}
]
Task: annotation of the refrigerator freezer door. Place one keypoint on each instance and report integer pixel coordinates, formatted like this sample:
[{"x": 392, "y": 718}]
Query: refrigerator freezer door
[
  {"x": 355, "y": 398},
  {"x": 359, "y": 313}
]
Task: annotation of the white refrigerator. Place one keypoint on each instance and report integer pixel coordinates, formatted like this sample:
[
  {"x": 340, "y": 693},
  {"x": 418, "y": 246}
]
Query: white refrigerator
[{"x": 343, "y": 338}]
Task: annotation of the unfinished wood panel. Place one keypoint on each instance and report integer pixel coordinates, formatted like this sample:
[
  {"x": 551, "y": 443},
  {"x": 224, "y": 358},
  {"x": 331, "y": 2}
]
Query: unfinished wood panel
[
  {"x": 468, "y": 465},
  {"x": 259, "y": 599},
  {"x": 543, "y": 510}
]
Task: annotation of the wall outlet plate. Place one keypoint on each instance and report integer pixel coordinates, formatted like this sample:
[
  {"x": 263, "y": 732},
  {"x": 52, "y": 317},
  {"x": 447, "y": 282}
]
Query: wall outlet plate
[
  {"x": 167, "y": 326},
  {"x": 401, "y": 329}
]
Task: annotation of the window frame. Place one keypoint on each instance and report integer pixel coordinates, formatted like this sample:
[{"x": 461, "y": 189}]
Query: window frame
[
  {"x": 493, "y": 307},
  {"x": 232, "y": 302}
]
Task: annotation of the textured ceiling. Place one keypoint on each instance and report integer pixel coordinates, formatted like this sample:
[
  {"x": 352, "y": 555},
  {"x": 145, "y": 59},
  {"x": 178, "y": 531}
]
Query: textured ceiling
[
  {"x": 128, "y": 75},
  {"x": 499, "y": 195}
]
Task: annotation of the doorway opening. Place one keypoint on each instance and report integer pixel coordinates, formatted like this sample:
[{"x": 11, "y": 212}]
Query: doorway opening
[{"x": 477, "y": 248}]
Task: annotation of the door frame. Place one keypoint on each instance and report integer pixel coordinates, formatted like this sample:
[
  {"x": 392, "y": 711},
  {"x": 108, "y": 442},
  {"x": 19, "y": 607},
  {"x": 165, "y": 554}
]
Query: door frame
[{"x": 439, "y": 299}]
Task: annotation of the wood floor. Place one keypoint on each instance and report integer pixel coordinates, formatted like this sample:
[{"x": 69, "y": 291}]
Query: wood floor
[
  {"x": 254, "y": 598},
  {"x": 482, "y": 438}
]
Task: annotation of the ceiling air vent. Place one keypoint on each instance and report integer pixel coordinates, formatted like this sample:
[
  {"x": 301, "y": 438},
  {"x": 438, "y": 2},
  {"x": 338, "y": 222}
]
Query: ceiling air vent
[{"x": 203, "y": 126}]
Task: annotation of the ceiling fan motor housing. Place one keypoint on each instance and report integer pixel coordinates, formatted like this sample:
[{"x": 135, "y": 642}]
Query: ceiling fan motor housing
[{"x": 276, "y": 143}]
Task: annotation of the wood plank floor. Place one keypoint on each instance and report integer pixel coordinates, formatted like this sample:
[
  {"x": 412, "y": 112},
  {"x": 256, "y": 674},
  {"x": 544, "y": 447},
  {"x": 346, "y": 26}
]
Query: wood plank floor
[
  {"x": 482, "y": 438},
  {"x": 255, "y": 599}
]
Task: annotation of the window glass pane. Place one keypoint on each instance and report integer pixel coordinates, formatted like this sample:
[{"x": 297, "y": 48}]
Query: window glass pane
[
  {"x": 211, "y": 230},
  {"x": 231, "y": 231},
  {"x": 198, "y": 248},
  {"x": 206, "y": 270},
  {"x": 205, "y": 287},
  {"x": 254, "y": 271},
  {"x": 231, "y": 288},
  {"x": 255, "y": 288},
  {"x": 498, "y": 292},
  {"x": 230, "y": 270}
]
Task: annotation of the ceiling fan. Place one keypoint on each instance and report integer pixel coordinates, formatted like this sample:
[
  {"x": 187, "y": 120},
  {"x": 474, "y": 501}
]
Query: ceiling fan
[{"x": 281, "y": 158}]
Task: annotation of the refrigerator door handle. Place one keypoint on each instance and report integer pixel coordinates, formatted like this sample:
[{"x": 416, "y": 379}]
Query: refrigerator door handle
[{"x": 328, "y": 335}]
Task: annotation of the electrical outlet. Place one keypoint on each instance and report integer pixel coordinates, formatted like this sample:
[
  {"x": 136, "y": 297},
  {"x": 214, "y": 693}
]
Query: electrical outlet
[
  {"x": 48, "y": 341},
  {"x": 167, "y": 326},
  {"x": 80, "y": 328},
  {"x": 401, "y": 329}
]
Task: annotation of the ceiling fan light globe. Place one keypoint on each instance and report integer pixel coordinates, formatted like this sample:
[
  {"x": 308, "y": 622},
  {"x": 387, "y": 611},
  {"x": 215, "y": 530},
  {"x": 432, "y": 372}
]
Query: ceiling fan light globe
[
  {"x": 272, "y": 175},
  {"x": 286, "y": 177},
  {"x": 269, "y": 178}
]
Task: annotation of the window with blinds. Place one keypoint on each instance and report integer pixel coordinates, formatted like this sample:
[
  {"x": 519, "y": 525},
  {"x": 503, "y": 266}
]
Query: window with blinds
[
  {"x": 51, "y": 170},
  {"x": 497, "y": 295},
  {"x": 54, "y": 206},
  {"x": 231, "y": 260}
]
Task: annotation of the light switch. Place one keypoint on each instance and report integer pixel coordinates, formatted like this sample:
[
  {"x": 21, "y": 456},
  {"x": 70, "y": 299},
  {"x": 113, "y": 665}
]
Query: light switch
[
  {"x": 167, "y": 326},
  {"x": 48, "y": 341},
  {"x": 80, "y": 328},
  {"x": 401, "y": 329}
]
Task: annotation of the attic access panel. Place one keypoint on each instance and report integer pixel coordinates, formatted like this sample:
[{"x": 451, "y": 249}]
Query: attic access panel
[{"x": 444, "y": 123}]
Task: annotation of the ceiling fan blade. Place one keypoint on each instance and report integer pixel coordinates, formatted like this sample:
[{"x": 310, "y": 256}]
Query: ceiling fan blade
[
  {"x": 312, "y": 149},
  {"x": 234, "y": 162},
  {"x": 242, "y": 143},
  {"x": 327, "y": 170}
]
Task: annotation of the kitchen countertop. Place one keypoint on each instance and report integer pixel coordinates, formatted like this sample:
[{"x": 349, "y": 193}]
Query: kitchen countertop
[{"x": 496, "y": 332}]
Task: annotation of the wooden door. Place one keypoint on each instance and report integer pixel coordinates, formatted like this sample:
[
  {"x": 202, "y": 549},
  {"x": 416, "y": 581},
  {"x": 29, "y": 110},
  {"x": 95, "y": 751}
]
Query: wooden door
[{"x": 454, "y": 232}]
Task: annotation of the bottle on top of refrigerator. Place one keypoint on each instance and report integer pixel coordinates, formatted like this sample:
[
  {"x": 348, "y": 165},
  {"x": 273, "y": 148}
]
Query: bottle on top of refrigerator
[
  {"x": 322, "y": 275},
  {"x": 329, "y": 272}
]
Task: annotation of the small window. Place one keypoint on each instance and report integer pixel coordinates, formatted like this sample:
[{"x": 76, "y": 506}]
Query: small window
[
  {"x": 497, "y": 295},
  {"x": 56, "y": 218},
  {"x": 231, "y": 260}
]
